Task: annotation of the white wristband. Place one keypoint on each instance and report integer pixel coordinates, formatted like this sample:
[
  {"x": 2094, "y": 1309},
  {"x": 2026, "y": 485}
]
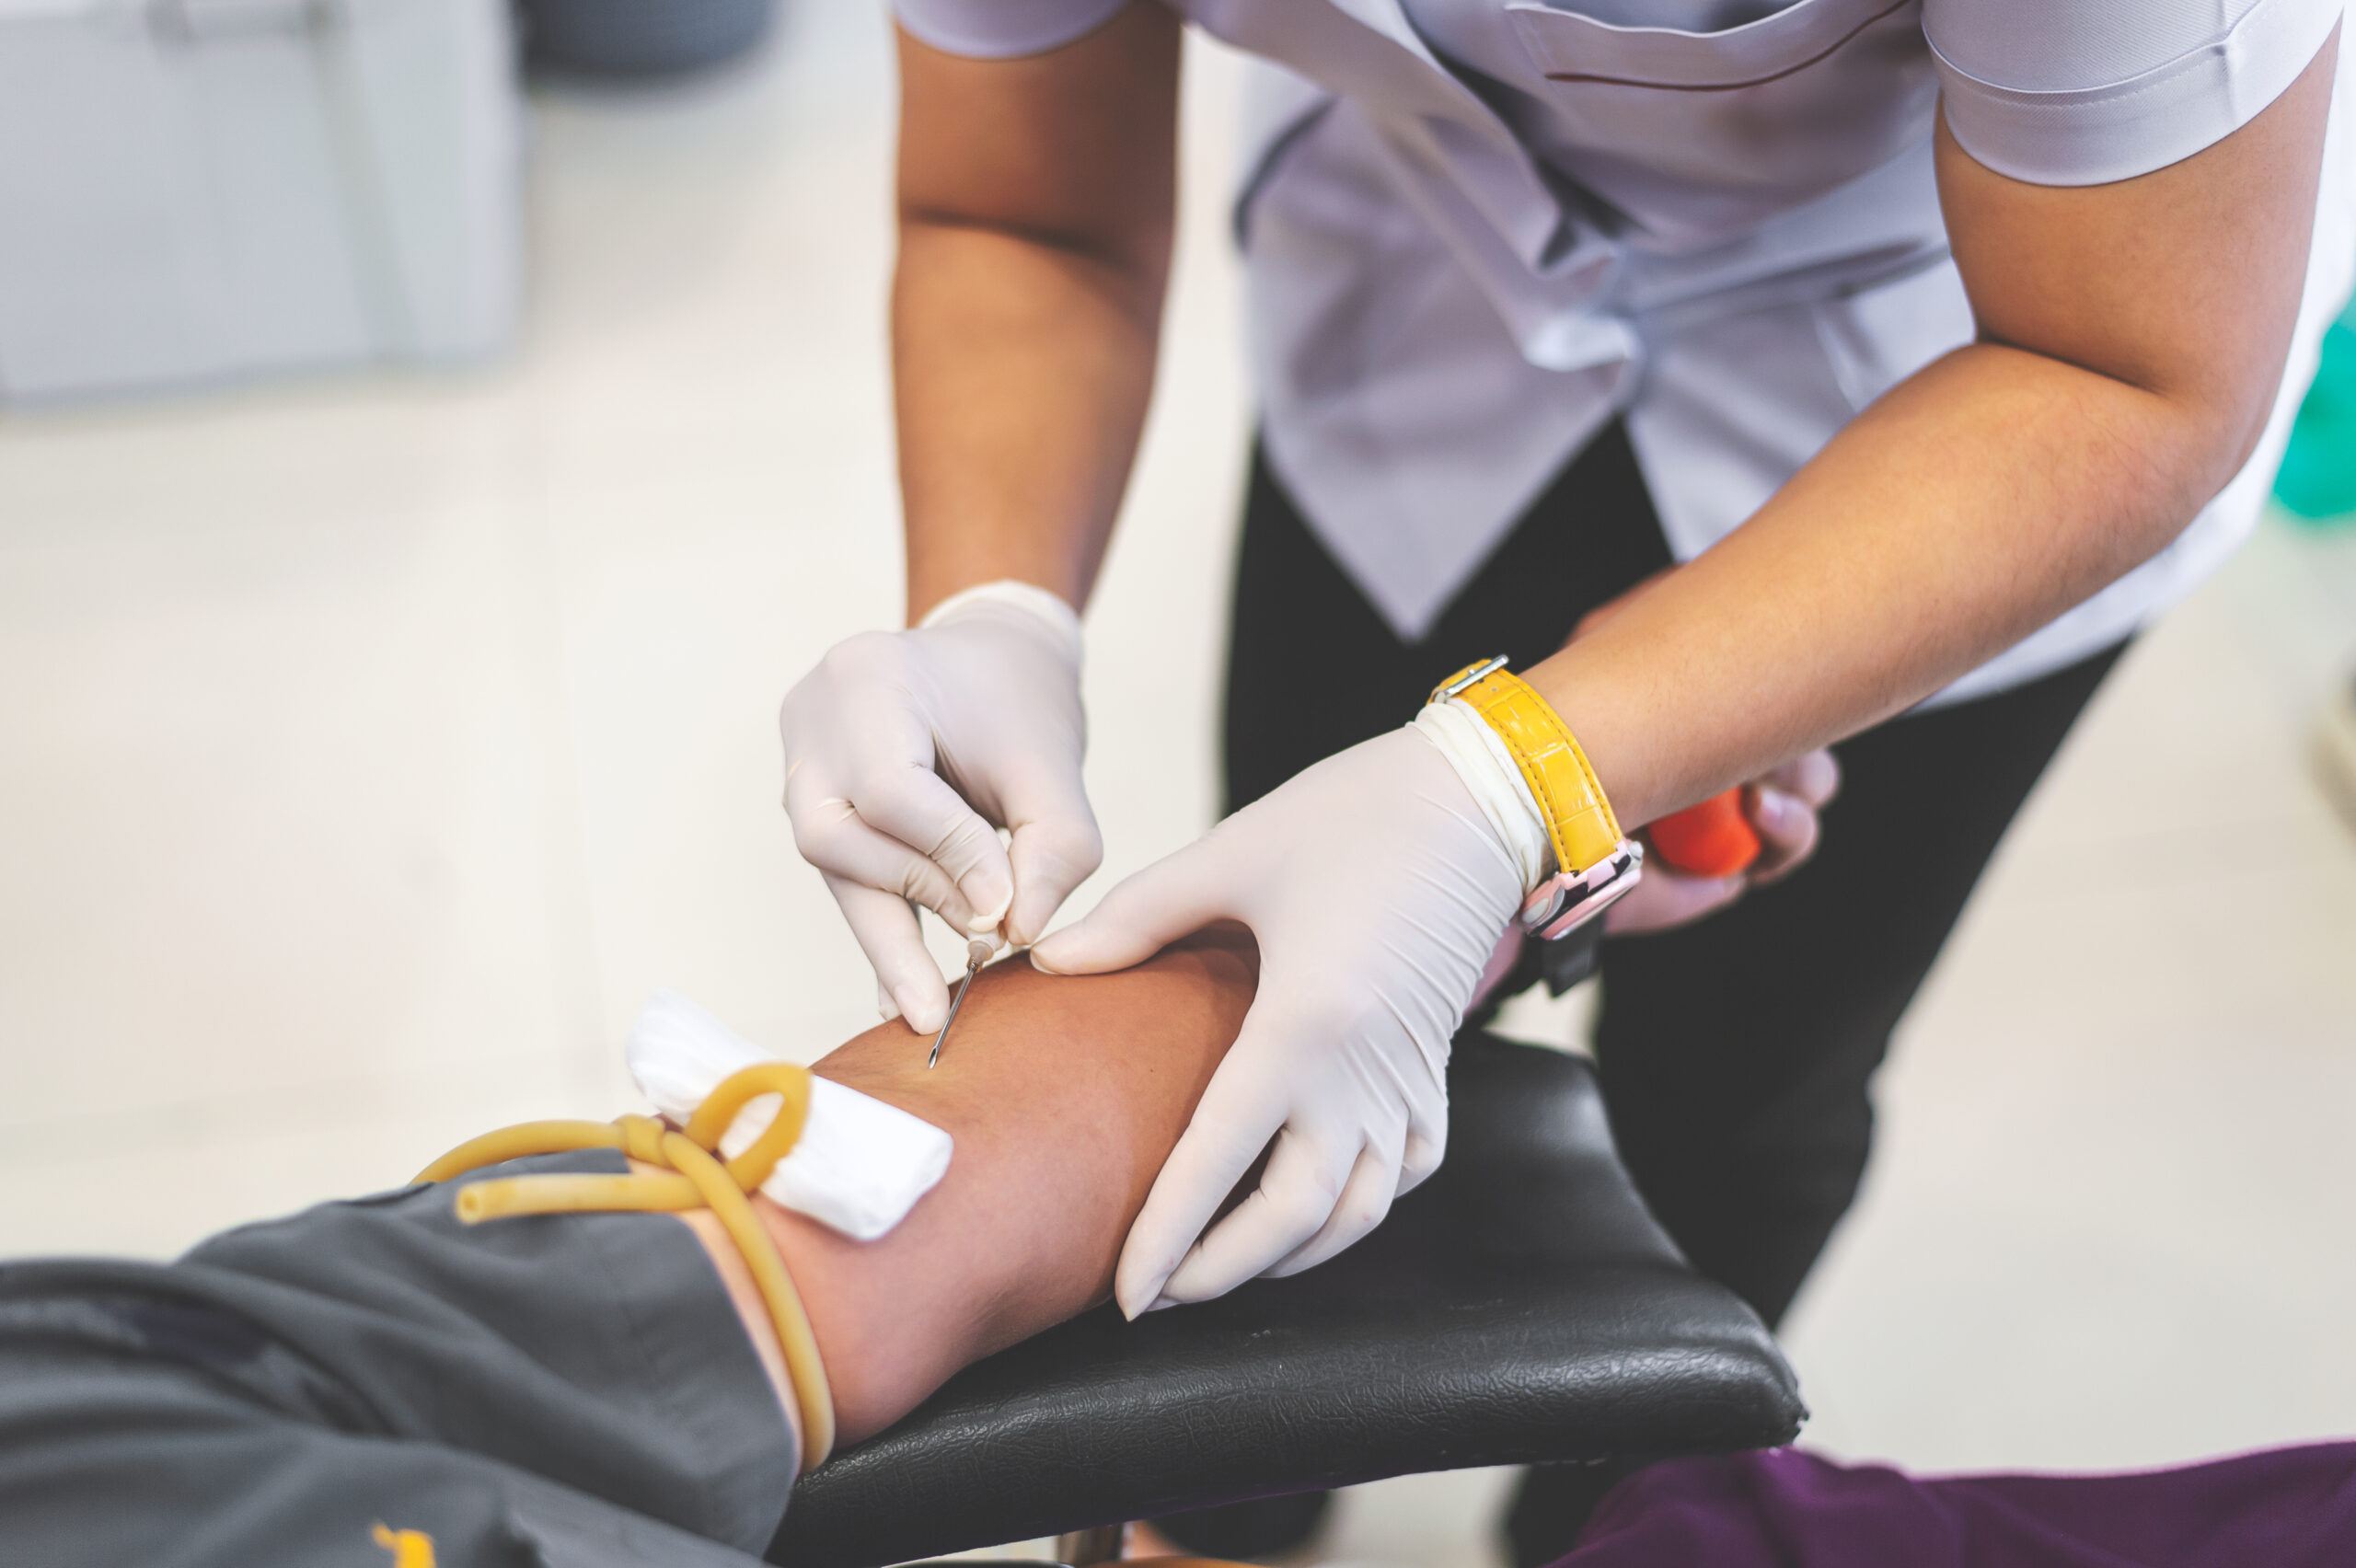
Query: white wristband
[
  {"x": 1488, "y": 771},
  {"x": 1038, "y": 602},
  {"x": 860, "y": 1165}
]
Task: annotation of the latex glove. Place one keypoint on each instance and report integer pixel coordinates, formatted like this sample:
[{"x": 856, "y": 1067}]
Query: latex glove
[
  {"x": 905, "y": 752},
  {"x": 1376, "y": 888},
  {"x": 1782, "y": 805}
]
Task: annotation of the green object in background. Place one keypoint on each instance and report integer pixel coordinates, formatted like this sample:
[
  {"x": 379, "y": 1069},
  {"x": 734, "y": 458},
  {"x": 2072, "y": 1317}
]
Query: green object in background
[{"x": 2317, "y": 480}]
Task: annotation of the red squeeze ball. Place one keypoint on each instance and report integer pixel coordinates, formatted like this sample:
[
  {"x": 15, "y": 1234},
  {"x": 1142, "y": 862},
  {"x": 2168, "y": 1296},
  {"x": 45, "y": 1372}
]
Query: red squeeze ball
[{"x": 1712, "y": 839}]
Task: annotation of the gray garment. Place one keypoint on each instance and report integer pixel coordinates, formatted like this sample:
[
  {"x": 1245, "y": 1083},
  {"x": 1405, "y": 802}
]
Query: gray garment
[{"x": 555, "y": 1391}]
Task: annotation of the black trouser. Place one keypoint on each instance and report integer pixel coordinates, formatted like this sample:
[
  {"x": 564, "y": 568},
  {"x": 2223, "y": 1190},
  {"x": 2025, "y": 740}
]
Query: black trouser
[{"x": 1735, "y": 1054}]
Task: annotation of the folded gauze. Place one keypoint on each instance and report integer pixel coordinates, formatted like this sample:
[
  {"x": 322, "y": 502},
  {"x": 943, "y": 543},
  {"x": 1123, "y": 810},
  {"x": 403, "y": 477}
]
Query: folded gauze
[{"x": 860, "y": 1165}]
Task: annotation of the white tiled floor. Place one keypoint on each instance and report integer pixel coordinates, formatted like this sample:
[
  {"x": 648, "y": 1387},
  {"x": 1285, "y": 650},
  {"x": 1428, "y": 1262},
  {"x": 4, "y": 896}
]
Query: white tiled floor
[{"x": 375, "y": 745}]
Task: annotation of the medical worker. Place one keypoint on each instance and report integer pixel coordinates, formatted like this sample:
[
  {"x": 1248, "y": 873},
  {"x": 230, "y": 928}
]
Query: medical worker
[{"x": 1944, "y": 340}]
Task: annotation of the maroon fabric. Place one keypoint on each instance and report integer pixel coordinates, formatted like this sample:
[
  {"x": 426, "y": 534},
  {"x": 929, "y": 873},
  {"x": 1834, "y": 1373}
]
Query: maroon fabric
[{"x": 2284, "y": 1508}]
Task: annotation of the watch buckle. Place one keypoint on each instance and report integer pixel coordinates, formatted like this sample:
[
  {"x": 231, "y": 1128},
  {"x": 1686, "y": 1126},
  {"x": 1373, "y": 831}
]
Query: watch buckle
[
  {"x": 1567, "y": 900},
  {"x": 1463, "y": 679}
]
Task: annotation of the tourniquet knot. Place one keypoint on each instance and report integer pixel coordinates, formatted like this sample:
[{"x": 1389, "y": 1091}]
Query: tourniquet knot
[{"x": 689, "y": 1175}]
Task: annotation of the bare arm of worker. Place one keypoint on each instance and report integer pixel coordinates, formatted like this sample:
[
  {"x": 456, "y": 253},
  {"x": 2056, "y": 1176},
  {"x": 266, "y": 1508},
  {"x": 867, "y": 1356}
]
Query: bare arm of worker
[
  {"x": 1036, "y": 200},
  {"x": 2132, "y": 338},
  {"x": 1064, "y": 1095}
]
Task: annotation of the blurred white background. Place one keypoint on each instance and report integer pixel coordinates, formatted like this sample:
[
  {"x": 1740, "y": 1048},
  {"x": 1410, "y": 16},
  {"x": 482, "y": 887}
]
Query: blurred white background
[{"x": 374, "y": 745}]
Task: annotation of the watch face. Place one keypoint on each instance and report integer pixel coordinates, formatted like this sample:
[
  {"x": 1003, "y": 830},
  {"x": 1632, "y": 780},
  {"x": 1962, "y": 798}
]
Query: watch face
[{"x": 1568, "y": 900}]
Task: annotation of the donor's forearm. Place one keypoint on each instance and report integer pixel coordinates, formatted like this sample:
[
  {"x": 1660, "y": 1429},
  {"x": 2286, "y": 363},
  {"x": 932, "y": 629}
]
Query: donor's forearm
[{"x": 1064, "y": 1094}]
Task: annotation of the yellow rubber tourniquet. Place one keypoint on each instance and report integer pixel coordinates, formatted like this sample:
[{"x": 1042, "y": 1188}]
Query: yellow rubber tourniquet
[{"x": 692, "y": 1178}]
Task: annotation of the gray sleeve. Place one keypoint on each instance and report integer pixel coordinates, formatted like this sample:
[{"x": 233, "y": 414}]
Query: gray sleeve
[
  {"x": 1003, "y": 30},
  {"x": 578, "y": 1387},
  {"x": 2083, "y": 92}
]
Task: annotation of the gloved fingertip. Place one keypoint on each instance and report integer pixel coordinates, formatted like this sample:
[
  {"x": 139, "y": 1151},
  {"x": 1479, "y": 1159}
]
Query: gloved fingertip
[
  {"x": 1139, "y": 1277},
  {"x": 922, "y": 1016},
  {"x": 1818, "y": 776},
  {"x": 1136, "y": 1300},
  {"x": 1075, "y": 950},
  {"x": 990, "y": 899},
  {"x": 1778, "y": 813},
  {"x": 1196, "y": 1284},
  {"x": 884, "y": 1004},
  {"x": 1025, "y": 921}
]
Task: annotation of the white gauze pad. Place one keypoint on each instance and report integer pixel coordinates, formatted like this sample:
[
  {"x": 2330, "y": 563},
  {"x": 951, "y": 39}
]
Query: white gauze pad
[{"x": 860, "y": 1165}]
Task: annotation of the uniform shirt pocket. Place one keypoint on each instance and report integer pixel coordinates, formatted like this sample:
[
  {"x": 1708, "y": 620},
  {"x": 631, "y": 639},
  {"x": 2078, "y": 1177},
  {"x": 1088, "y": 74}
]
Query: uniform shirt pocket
[{"x": 1795, "y": 102}]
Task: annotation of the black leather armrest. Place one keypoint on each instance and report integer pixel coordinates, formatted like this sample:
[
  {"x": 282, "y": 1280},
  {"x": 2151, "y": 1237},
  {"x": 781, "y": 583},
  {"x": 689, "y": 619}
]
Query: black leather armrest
[{"x": 1520, "y": 1306}]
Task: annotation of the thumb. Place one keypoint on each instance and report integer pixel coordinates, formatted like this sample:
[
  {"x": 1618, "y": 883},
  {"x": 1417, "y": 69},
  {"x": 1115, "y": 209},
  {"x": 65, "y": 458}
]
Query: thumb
[{"x": 1175, "y": 896}]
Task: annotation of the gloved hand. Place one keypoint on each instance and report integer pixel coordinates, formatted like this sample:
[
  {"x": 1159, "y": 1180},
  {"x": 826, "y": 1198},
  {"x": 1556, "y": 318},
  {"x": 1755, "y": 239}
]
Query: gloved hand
[
  {"x": 905, "y": 752},
  {"x": 1376, "y": 889}
]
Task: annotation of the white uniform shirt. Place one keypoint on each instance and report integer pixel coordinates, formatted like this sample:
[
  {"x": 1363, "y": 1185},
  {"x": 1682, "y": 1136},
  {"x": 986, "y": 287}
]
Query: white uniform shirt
[{"x": 1477, "y": 229}]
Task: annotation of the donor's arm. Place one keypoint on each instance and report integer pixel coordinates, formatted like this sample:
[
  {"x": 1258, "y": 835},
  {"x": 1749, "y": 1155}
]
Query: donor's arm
[
  {"x": 1064, "y": 1096},
  {"x": 385, "y": 1377}
]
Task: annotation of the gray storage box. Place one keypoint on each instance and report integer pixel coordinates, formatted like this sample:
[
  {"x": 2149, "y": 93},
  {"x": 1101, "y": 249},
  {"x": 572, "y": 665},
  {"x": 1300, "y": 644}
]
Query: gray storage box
[{"x": 195, "y": 190}]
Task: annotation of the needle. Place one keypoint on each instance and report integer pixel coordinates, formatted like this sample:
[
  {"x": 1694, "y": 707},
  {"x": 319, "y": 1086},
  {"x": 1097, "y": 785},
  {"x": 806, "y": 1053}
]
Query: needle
[{"x": 977, "y": 952}]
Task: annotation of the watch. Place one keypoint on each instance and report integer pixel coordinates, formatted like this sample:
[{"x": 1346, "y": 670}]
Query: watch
[{"x": 1596, "y": 864}]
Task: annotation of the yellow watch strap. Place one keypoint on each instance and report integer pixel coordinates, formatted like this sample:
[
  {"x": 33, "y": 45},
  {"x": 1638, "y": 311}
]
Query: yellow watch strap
[{"x": 1578, "y": 819}]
